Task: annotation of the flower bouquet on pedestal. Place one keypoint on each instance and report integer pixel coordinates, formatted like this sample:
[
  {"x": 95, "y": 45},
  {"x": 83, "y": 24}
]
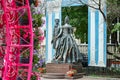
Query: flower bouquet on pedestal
[
  {"x": 71, "y": 72},
  {"x": 42, "y": 70}
]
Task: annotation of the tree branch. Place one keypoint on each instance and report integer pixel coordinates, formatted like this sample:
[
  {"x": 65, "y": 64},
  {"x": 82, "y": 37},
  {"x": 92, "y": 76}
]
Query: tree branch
[
  {"x": 102, "y": 11},
  {"x": 88, "y": 5},
  {"x": 96, "y": 2},
  {"x": 99, "y": 7}
]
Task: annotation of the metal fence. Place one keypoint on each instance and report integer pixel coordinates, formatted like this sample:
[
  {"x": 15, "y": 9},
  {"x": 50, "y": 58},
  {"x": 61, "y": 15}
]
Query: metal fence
[{"x": 113, "y": 62}]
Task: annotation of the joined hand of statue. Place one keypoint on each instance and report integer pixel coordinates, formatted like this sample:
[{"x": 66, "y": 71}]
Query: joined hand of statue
[{"x": 54, "y": 39}]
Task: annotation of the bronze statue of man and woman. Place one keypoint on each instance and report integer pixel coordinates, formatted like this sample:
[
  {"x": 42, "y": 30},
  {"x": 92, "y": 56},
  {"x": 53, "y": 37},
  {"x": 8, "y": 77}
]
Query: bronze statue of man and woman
[{"x": 66, "y": 49}]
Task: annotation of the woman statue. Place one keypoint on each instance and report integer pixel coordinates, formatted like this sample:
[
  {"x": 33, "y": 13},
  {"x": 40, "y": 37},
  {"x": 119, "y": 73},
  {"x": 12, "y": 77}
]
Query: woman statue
[{"x": 66, "y": 50}]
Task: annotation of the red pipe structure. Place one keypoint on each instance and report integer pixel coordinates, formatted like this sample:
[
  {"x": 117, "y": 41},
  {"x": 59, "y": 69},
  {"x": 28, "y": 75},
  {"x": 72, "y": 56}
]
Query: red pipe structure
[{"x": 16, "y": 39}]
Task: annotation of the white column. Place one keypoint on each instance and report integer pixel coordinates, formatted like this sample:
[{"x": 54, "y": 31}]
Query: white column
[
  {"x": 49, "y": 37},
  {"x": 92, "y": 37},
  {"x": 97, "y": 36},
  {"x": 101, "y": 41}
]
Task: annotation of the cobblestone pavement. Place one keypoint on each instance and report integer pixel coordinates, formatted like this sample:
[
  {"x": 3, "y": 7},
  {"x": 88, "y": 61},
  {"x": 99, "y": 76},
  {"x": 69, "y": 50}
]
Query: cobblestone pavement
[{"x": 86, "y": 78}]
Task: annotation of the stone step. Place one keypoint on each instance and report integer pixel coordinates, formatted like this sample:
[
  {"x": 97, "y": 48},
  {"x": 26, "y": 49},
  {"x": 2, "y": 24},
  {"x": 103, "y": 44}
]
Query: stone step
[
  {"x": 61, "y": 76},
  {"x": 76, "y": 76},
  {"x": 53, "y": 75}
]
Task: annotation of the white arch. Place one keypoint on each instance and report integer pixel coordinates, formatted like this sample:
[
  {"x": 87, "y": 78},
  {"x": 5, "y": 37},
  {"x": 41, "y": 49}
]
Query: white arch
[{"x": 96, "y": 30}]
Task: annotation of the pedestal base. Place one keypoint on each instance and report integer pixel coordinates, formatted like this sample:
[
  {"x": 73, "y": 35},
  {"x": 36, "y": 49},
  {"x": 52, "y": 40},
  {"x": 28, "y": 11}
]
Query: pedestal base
[
  {"x": 62, "y": 68},
  {"x": 61, "y": 76},
  {"x": 58, "y": 71},
  {"x": 78, "y": 75}
]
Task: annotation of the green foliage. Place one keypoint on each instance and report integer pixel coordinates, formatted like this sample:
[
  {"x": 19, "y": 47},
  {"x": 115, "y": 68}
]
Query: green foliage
[
  {"x": 36, "y": 59},
  {"x": 116, "y": 27},
  {"x": 113, "y": 11},
  {"x": 79, "y": 19},
  {"x": 33, "y": 77},
  {"x": 37, "y": 22},
  {"x": 113, "y": 1},
  {"x": 37, "y": 17},
  {"x": 36, "y": 39},
  {"x": 115, "y": 70}
]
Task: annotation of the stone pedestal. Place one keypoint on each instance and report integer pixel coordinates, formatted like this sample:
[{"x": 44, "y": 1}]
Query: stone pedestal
[
  {"x": 62, "y": 68},
  {"x": 58, "y": 71}
]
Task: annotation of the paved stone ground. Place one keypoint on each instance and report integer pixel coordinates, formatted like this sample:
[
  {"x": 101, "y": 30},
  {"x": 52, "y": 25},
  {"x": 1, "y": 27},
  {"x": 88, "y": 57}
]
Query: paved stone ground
[{"x": 86, "y": 78}]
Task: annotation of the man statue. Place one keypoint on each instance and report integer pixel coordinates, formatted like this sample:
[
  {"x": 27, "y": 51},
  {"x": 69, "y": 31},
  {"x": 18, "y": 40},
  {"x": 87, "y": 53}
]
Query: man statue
[{"x": 56, "y": 38}]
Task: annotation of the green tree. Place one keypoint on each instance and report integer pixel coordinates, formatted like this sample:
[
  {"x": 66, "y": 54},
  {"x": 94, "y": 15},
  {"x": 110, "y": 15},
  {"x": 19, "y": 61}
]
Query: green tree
[
  {"x": 79, "y": 19},
  {"x": 78, "y": 15},
  {"x": 113, "y": 11}
]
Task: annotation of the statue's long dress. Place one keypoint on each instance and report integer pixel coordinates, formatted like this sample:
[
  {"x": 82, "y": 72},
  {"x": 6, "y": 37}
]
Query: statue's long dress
[{"x": 67, "y": 50}]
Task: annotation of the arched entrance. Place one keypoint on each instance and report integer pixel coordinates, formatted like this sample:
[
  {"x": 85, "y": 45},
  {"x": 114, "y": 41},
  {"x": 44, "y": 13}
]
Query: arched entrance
[{"x": 96, "y": 31}]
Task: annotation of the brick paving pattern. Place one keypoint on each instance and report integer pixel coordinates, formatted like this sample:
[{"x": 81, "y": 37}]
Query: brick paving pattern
[{"x": 86, "y": 78}]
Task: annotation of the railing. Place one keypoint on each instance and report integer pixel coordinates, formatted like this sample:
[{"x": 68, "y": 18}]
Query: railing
[
  {"x": 113, "y": 64},
  {"x": 84, "y": 48},
  {"x": 111, "y": 48}
]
